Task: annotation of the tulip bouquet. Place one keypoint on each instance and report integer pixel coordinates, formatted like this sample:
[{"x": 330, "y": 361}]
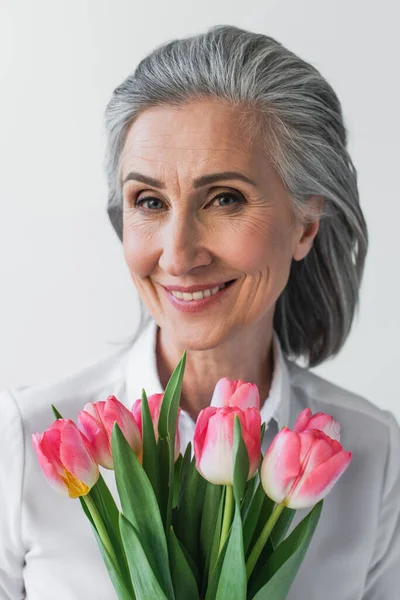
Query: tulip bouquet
[{"x": 212, "y": 525}]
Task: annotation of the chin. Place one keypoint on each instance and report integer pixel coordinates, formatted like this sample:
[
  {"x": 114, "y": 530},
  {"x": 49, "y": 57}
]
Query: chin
[{"x": 196, "y": 337}]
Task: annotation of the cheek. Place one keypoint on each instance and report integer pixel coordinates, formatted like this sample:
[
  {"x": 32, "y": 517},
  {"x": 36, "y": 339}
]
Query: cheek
[
  {"x": 259, "y": 245},
  {"x": 139, "y": 251}
]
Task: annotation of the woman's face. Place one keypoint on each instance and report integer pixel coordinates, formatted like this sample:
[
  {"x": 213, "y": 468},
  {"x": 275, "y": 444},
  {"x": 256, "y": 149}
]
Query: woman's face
[{"x": 179, "y": 231}]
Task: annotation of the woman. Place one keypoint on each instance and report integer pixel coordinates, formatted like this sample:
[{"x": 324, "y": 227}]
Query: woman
[{"x": 232, "y": 191}]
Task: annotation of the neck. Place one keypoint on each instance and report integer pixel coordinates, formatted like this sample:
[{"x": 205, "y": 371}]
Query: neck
[{"x": 248, "y": 356}]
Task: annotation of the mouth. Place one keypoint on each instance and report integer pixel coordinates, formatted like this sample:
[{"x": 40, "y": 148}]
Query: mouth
[
  {"x": 195, "y": 301},
  {"x": 200, "y": 294}
]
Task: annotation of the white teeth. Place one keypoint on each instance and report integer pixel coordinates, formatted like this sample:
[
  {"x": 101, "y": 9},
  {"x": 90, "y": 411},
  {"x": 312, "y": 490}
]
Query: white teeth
[{"x": 197, "y": 295}]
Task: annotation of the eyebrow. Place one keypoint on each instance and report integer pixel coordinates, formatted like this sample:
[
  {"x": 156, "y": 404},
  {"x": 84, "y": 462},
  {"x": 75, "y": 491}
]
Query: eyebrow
[{"x": 200, "y": 181}]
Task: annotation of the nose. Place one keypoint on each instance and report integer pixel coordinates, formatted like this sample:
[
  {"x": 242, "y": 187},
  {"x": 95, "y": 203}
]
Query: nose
[{"x": 183, "y": 246}]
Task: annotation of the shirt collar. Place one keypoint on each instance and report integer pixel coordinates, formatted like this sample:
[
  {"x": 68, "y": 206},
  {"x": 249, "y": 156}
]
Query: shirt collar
[{"x": 142, "y": 373}]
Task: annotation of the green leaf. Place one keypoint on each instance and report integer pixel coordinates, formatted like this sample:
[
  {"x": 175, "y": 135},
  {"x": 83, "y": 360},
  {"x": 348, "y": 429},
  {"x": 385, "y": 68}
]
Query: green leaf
[
  {"x": 150, "y": 453},
  {"x": 163, "y": 448},
  {"x": 211, "y": 505},
  {"x": 184, "y": 582},
  {"x": 109, "y": 513},
  {"x": 108, "y": 510},
  {"x": 122, "y": 582},
  {"x": 257, "y": 515},
  {"x": 279, "y": 531},
  {"x": 167, "y": 429},
  {"x": 250, "y": 490},
  {"x": 170, "y": 403},
  {"x": 241, "y": 462},
  {"x": 188, "y": 514},
  {"x": 276, "y": 579},
  {"x": 215, "y": 543},
  {"x": 215, "y": 573},
  {"x": 56, "y": 413},
  {"x": 232, "y": 581},
  {"x": 185, "y": 464},
  {"x": 120, "y": 577},
  {"x": 282, "y": 526},
  {"x": 144, "y": 580},
  {"x": 140, "y": 507},
  {"x": 177, "y": 480}
]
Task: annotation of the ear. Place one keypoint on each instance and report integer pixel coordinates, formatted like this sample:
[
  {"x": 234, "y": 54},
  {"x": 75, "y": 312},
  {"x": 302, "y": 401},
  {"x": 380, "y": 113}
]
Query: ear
[{"x": 308, "y": 230}]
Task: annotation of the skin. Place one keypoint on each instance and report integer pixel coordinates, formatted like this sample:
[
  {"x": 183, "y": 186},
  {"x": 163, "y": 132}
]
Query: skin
[{"x": 186, "y": 236}]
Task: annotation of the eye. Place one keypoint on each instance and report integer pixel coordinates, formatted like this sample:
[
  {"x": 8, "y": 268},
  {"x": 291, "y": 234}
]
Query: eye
[
  {"x": 230, "y": 198},
  {"x": 154, "y": 203}
]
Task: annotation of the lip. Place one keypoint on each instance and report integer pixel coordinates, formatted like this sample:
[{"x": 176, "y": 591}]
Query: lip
[
  {"x": 195, "y": 288},
  {"x": 197, "y": 305}
]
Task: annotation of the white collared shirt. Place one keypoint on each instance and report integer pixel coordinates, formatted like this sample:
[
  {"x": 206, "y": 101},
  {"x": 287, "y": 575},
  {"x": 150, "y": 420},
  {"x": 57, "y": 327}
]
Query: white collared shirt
[{"x": 48, "y": 550}]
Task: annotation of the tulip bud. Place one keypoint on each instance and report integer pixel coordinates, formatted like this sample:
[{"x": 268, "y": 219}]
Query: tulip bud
[
  {"x": 213, "y": 442},
  {"x": 154, "y": 402},
  {"x": 321, "y": 421},
  {"x": 66, "y": 459},
  {"x": 300, "y": 469},
  {"x": 96, "y": 421},
  {"x": 235, "y": 393}
]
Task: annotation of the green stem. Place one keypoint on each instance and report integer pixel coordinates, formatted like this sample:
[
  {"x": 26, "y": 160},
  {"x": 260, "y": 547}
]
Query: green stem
[
  {"x": 264, "y": 535},
  {"x": 101, "y": 530},
  {"x": 227, "y": 520}
]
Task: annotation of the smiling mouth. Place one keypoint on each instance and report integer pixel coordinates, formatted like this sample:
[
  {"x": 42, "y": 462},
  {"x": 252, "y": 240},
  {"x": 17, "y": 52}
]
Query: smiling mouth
[{"x": 200, "y": 295}]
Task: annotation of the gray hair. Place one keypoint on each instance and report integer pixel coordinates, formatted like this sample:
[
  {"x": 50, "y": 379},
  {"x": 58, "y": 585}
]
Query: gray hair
[{"x": 306, "y": 140}]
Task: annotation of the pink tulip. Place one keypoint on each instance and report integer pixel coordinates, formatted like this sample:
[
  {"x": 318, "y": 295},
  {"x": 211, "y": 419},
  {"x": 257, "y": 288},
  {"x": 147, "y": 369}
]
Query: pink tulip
[
  {"x": 155, "y": 401},
  {"x": 321, "y": 421},
  {"x": 65, "y": 458},
  {"x": 300, "y": 469},
  {"x": 213, "y": 442},
  {"x": 235, "y": 393},
  {"x": 96, "y": 421}
]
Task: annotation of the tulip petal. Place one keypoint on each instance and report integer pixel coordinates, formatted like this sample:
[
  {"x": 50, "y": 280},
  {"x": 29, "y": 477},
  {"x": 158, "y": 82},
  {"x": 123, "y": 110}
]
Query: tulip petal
[
  {"x": 50, "y": 445},
  {"x": 237, "y": 393},
  {"x": 302, "y": 420},
  {"x": 216, "y": 460},
  {"x": 281, "y": 464},
  {"x": 246, "y": 396},
  {"x": 200, "y": 431},
  {"x": 95, "y": 409},
  {"x": 51, "y": 473},
  {"x": 250, "y": 420},
  {"x": 137, "y": 413},
  {"x": 75, "y": 456},
  {"x": 314, "y": 451},
  {"x": 320, "y": 481},
  {"x": 115, "y": 411},
  {"x": 325, "y": 423},
  {"x": 321, "y": 421},
  {"x": 222, "y": 393},
  {"x": 95, "y": 431},
  {"x": 155, "y": 402}
]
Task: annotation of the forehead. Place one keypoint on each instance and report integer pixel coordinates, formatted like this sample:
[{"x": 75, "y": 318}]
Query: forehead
[{"x": 194, "y": 134}]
